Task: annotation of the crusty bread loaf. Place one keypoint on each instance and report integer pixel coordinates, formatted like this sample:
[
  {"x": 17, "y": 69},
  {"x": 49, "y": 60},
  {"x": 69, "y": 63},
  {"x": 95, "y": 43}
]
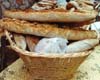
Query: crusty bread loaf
[
  {"x": 45, "y": 30},
  {"x": 51, "y": 15},
  {"x": 82, "y": 45},
  {"x": 31, "y": 42}
]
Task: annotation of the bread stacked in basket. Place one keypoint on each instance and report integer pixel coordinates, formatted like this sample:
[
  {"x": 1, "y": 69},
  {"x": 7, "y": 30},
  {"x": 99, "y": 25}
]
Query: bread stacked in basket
[{"x": 47, "y": 19}]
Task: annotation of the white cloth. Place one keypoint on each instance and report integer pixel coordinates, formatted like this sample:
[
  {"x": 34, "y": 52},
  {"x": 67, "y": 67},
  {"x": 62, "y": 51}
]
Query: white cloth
[
  {"x": 51, "y": 45},
  {"x": 61, "y": 4},
  {"x": 95, "y": 26}
]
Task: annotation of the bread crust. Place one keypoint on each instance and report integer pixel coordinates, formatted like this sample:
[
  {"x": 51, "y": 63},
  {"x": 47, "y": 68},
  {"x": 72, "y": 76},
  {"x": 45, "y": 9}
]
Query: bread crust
[
  {"x": 31, "y": 42},
  {"x": 45, "y": 30},
  {"x": 51, "y": 15}
]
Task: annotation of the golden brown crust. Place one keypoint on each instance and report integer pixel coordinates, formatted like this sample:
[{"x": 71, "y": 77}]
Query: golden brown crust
[
  {"x": 31, "y": 42},
  {"x": 51, "y": 15},
  {"x": 45, "y": 30}
]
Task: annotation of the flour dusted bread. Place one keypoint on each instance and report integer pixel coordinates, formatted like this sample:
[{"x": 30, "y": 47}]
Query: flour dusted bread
[
  {"x": 82, "y": 45},
  {"x": 45, "y": 30}
]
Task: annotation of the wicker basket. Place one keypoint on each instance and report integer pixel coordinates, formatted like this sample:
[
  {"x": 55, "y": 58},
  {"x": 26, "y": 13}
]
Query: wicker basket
[{"x": 51, "y": 67}]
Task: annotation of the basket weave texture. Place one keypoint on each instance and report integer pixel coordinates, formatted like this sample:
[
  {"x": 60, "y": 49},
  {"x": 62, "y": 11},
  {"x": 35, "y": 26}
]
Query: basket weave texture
[{"x": 51, "y": 66}]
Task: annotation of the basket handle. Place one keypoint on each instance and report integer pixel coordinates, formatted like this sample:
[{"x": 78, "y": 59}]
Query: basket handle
[{"x": 9, "y": 38}]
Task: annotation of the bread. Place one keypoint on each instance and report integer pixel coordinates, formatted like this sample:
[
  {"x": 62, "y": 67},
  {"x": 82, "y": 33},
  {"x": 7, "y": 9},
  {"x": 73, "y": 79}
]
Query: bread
[
  {"x": 45, "y": 30},
  {"x": 20, "y": 41},
  {"x": 51, "y": 15},
  {"x": 31, "y": 42},
  {"x": 82, "y": 45}
]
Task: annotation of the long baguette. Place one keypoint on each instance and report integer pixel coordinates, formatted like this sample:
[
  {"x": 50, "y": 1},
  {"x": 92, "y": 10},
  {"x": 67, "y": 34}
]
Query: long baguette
[
  {"x": 82, "y": 45},
  {"x": 45, "y": 30},
  {"x": 51, "y": 15}
]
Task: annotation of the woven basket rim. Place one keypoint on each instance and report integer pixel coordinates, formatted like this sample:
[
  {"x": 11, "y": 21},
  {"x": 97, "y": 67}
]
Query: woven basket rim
[{"x": 55, "y": 55}]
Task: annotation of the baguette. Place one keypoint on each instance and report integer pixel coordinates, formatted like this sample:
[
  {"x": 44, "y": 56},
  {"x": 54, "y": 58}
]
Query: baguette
[
  {"x": 51, "y": 15},
  {"x": 45, "y": 30},
  {"x": 82, "y": 45},
  {"x": 20, "y": 41},
  {"x": 88, "y": 2}
]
